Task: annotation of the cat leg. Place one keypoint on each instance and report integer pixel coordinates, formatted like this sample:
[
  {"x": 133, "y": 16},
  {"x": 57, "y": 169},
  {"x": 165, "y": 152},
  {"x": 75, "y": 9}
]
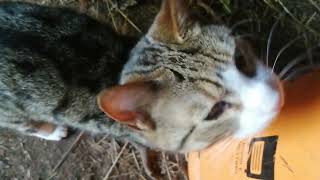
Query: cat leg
[
  {"x": 13, "y": 116},
  {"x": 45, "y": 130},
  {"x": 151, "y": 161}
]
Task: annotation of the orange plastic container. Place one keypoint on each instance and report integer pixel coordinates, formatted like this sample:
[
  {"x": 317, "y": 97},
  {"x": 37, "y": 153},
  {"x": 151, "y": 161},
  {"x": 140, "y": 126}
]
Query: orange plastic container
[{"x": 289, "y": 149}]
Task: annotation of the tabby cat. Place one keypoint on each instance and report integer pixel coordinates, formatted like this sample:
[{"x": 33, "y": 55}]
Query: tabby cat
[{"x": 179, "y": 91}]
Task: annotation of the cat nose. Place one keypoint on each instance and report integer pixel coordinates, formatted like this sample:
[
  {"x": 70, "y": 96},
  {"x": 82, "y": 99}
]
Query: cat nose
[{"x": 277, "y": 85}]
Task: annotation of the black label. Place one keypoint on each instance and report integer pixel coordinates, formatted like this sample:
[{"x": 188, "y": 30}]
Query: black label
[{"x": 260, "y": 164}]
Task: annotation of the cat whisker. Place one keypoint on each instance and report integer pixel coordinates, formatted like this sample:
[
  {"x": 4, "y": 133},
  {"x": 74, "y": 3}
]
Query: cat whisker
[
  {"x": 245, "y": 35},
  {"x": 295, "y": 61},
  {"x": 285, "y": 47},
  {"x": 291, "y": 65},
  {"x": 225, "y": 145},
  {"x": 222, "y": 150},
  {"x": 233, "y": 27},
  {"x": 310, "y": 56},
  {"x": 301, "y": 70},
  {"x": 269, "y": 40}
]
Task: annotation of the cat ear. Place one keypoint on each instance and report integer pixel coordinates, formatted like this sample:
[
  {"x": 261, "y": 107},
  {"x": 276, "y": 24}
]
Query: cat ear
[
  {"x": 172, "y": 22},
  {"x": 123, "y": 103}
]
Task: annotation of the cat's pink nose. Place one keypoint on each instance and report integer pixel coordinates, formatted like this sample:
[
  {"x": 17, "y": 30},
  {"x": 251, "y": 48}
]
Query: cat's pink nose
[{"x": 277, "y": 85}]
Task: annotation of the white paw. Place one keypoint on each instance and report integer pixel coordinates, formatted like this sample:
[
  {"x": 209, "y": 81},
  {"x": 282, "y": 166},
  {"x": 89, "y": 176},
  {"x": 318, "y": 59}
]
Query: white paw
[{"x": 58, "y": 133}]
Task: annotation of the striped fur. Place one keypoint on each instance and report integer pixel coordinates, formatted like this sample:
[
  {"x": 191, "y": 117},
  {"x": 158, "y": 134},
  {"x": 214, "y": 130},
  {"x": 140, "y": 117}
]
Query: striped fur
[
  {"x": 54, "y": 63},
  {"x": 190, "y": 64}
]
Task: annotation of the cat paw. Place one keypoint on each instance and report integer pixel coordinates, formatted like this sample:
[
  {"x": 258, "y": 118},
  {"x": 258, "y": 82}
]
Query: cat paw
[{"x": 57, "y": 134}]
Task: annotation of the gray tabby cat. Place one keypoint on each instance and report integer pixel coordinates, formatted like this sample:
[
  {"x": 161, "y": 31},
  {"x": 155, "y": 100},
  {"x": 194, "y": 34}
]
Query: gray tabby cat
[{"x": 179, "y": 91}]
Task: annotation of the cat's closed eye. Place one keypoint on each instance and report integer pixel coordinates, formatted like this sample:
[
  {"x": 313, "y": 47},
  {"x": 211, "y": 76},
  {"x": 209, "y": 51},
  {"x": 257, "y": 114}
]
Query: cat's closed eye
[{"x": 217, "y": 110}]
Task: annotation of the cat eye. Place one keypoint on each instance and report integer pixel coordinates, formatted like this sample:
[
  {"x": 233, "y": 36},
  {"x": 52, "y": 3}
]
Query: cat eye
[{"x": 217, "y": 110}]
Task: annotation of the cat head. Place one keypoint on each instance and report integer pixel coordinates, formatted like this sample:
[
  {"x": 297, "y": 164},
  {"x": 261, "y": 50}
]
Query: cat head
[{"x": 182, "y": 90}]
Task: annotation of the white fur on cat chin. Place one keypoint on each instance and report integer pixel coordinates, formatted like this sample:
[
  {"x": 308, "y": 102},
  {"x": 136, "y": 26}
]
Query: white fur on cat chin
[
  {"x": 258, "y": 98},
  {"x": 58, "y": 133}
]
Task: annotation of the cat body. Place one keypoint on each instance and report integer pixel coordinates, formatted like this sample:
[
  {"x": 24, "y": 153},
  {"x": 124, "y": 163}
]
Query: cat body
[
  {"x": 53, "y": 63},
  {"x": 179, "y": 91}
]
